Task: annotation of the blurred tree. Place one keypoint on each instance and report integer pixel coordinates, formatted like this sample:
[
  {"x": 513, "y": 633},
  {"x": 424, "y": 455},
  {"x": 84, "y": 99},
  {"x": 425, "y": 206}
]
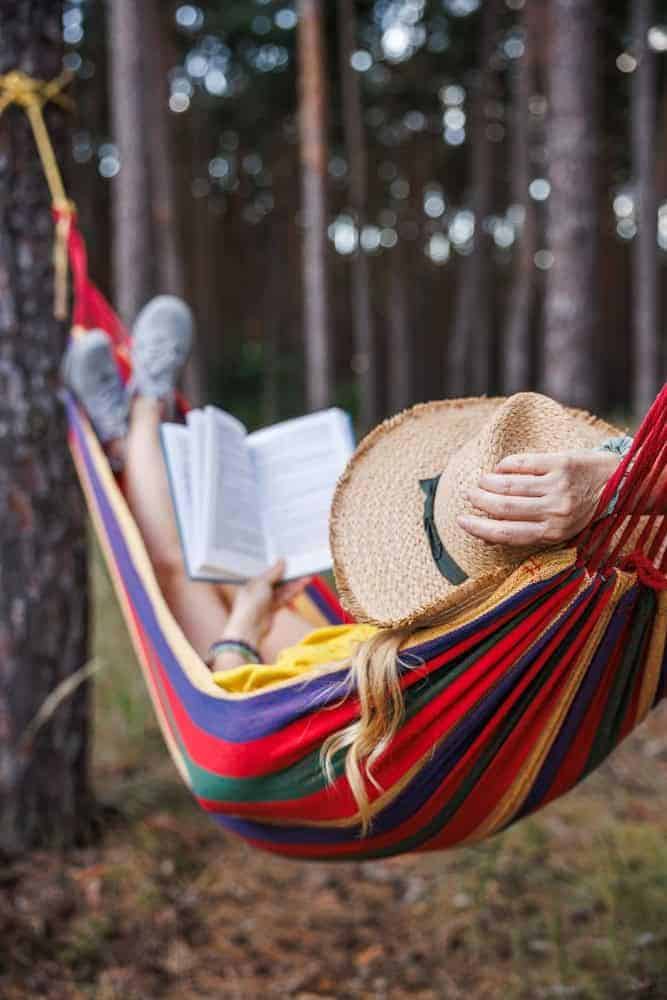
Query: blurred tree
[
  {"x": 132, "y": 260},
  {"x": 645, "y": 250},
  {"x": 168, "y": 250},
  {"x": 517, "y": 334},
  {"x": 572, "y": 298},
  {"x": 401, "y": 348},
  {"x": 44, "y": 796},
  {"x": 469, "y": 349},
  {"x": 357, "y": 158},
  {"x": 314, "y": 167},
  {"x": 166, "y": 243}
]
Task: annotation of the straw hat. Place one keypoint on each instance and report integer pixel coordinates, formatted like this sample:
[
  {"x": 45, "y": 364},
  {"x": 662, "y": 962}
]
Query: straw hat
[{"x": 399, "y": 555}]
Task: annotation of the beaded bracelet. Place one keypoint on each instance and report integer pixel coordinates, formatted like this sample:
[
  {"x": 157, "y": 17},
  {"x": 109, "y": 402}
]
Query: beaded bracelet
[{"x": 249, "y": 653}]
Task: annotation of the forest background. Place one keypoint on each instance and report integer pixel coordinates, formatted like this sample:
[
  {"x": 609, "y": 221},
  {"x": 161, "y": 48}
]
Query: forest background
[{"x": 481, "y": 199}]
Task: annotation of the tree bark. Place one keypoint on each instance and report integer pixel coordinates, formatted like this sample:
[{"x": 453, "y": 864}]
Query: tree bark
[
  {"x": 132, "y": 267},
  {"x": 44, "y": 795},
  {"x": 169, "y": 276},
  {"x": 571, "y": 300},
  {"x": 357, "y": 158},
  {"x": 160, "y": 192},
  {"x": 645, "y": 250},
  {"x": 401, "y": 348},
  {"x": 468, "y": 352},
  {"x": 520, "y": 306},
  {"x": 314, "y": 166}
]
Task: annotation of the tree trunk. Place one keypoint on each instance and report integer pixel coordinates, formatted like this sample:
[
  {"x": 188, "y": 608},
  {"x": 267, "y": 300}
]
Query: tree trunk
[
  {"x": 468, "y": 353},
  {"x": 571, "y": 301},
  {"x": 160, "y": 192},
  {"x": 645, "y": 251},
  {"x": 132, "y": 268},
  {"x": 357, "y": 158},
  {"x": 401, "y": 348},
  {"x": 314, "y": 165},
  {"x": 520, "y": 306},
  {"x": 169, "y": 276},
  {"x": 44, "y": 796}
]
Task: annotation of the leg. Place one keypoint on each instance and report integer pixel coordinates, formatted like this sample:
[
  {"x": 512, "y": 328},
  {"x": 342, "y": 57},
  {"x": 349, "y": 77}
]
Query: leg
[
  {"x": 161, "y": 342},
  {"x": 198, "y": 607}
]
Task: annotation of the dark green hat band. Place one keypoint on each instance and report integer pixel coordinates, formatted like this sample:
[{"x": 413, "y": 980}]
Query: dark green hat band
[{"x": 448, "y": 566}]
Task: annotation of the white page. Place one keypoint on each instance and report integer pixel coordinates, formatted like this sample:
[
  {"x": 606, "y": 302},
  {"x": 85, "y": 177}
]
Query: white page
[
  {"x": 197, "y": 426},
  {"x": 233, "y": 536},
  {"x": 297, "y": 465},
  {"x": 175, "y": 440}
]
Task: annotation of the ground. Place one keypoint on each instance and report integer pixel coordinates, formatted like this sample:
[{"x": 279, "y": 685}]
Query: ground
[{"x": 571, "y": 903}]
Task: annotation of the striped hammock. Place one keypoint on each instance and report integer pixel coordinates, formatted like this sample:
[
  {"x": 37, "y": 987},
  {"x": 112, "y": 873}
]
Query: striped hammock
[{"x": 505, "y": 710}]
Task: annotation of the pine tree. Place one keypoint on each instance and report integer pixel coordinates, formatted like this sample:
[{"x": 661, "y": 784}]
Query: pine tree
[
  {"x": 355, "y": 145},
  {"x": 572, "y": 301},
  {"x": 314, "y": 169},
  {"x": 645, "y": 250},
  {"x": 132, "y": 259}
]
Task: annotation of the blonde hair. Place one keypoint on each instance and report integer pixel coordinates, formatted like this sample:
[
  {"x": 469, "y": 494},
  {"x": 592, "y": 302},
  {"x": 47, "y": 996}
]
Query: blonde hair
[{"x": 374, "y": 674}]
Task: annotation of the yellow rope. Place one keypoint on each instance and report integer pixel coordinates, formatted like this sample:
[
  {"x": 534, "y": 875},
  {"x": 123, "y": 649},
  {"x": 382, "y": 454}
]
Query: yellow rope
[{"x": 30, "y": 94}]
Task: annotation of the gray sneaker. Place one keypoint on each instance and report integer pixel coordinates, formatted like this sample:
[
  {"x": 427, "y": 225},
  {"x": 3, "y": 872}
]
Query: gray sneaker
[
  {"x": 90, "y": 372},
  {"x": 161, "y": 344}
]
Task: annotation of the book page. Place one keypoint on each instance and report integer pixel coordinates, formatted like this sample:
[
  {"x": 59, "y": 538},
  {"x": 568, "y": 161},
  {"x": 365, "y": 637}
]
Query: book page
[
  {"x": 233, "y": 538},
  {"x": 175, "y": 440},
  {"x": 196, "y": 426},
  {"x": 297, "y": 465}
]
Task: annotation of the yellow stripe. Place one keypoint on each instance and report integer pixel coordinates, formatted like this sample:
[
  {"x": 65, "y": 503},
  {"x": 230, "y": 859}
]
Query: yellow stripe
[
  {"x": 126, "y": 610},
  {"x": 654, "y": 659}
]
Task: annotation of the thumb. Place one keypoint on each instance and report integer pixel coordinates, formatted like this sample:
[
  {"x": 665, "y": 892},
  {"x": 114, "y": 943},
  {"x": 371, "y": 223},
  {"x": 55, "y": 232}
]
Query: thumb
[{"x": 275, "y": 573}]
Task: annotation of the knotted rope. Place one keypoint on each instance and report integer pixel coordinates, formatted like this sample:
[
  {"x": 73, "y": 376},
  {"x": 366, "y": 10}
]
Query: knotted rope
[{"x": 31, "y": 94}]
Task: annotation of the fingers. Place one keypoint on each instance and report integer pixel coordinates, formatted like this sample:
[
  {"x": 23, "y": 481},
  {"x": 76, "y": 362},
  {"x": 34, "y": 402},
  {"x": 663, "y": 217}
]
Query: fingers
[
  {"x": 530, "y": 463},
  {"x": 273, "y": 574},
  {"x": 503, "y": 532},
  {"x": 510, "y": 508},
  {"x": 523, "y": 485},
  {"x": 287, "y": 592}
]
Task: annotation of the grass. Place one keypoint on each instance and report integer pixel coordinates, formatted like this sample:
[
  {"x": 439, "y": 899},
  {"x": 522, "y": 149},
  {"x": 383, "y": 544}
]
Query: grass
[{"x": 571, "y": 903}]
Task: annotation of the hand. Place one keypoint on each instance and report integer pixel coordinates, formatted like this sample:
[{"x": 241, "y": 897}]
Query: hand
[
  {"x": 539, "y": 499},
  {"x": 256, "y": 603}
]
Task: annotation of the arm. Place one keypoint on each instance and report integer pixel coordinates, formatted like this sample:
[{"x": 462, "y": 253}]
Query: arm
[{"x": 254, "y": 607}]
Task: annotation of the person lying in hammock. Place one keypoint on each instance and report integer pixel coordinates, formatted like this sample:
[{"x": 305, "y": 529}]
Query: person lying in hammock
[{"x": 458, "y": 541}]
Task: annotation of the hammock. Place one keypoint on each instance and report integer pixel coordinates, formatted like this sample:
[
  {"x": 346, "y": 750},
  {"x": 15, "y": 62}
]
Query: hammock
[{"x": 505, "y": 710}]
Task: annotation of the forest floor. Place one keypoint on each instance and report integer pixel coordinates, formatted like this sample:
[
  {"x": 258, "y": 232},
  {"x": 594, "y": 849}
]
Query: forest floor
[{"x": 569, "y": 904}]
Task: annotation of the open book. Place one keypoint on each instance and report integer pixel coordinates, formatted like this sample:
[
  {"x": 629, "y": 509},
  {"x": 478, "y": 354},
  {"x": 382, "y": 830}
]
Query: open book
[{"x": 244, "y": 500}]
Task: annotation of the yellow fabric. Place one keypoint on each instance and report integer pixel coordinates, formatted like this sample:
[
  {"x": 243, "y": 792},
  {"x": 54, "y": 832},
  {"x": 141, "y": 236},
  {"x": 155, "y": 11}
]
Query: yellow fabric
[{"x": 325, "y": 646}]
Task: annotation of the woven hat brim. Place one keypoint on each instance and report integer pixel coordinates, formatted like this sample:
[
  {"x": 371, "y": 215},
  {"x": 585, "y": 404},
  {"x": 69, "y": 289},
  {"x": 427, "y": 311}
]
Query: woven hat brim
[{"x": 384, "y": 569}]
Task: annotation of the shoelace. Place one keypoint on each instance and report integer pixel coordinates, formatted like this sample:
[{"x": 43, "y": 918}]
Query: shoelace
[{"x": 110, "y": 399}]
